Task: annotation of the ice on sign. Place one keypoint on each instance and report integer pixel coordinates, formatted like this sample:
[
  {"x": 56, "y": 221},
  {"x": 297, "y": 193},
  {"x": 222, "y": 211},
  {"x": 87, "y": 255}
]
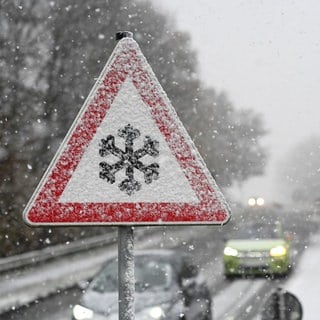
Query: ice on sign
[{"x": 127, "y": 158}]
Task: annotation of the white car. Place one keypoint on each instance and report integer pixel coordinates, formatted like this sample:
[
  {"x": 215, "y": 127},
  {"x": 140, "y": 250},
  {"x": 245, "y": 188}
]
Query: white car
[{"x": 167, "y": 286}]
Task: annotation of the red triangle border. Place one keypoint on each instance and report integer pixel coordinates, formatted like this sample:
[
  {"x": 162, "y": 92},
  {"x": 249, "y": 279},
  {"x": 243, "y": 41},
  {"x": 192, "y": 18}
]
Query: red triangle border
[{"x": 44, "y": 207}]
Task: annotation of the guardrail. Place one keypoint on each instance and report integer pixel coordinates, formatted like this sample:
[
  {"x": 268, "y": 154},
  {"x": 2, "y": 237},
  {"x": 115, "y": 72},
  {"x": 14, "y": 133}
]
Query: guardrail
[
  {"x": 52, "y": 252},
  {"x": 33, "y": 257}
]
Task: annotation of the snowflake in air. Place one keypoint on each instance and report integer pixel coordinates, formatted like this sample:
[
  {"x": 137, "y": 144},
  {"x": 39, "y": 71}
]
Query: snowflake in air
[{"x": 128, "y": 159}]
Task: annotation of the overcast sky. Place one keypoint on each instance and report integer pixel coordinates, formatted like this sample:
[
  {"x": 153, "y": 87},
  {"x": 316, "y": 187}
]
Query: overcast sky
[{"x": 266, "y": 55}]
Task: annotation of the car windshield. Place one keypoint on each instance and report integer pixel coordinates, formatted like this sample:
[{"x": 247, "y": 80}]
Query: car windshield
[
  {"x": 259, "y": 232},
  {"x": 150, "y": 274},
  {"x": 107, "y": 279}
]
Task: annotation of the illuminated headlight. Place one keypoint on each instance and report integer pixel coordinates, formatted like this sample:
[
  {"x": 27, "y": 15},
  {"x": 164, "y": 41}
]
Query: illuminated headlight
[
  {"x": 154, "y": 313},
  {"x": 278, "y": 251},
  {"x": 82, "y": 313},
  {"x": 228, "y": 251}
]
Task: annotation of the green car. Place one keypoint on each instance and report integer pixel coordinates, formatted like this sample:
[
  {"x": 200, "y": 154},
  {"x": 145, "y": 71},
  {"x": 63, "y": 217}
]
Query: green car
[{"x": 259, "y": 249}]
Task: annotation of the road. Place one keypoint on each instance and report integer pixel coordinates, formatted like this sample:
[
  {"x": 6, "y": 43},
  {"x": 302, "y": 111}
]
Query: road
[
  {"x": 243, "y": 296},
  {"x": 240, "y": 299}
]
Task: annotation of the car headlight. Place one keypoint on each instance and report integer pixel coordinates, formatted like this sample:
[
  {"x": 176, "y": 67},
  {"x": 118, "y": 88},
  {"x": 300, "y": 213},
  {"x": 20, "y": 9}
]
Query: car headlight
[
  {"x": 278, "y": 251},
  {"x": 82, "y": 313},
  {"x": 155, "y": 313},
  {"x": 228, "y": 251}
]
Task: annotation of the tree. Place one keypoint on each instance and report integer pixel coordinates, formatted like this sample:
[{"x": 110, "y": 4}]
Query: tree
[
  {"x": 20, "y": 100},
  {"x": 300, "y": 172},
  {"x": 229, "y": 139}
]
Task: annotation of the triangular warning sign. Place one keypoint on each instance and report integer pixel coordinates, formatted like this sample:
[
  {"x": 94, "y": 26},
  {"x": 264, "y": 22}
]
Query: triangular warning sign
[{"x": 127, "y": 159}]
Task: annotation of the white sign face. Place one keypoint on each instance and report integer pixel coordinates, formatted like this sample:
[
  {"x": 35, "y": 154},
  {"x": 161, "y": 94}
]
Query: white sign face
[
  {"x": 85, "y": 184},
  {"x": 127, "y": 159}
]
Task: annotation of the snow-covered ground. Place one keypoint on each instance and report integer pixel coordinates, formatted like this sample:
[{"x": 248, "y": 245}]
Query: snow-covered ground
[{"x": 305, "y": 282}]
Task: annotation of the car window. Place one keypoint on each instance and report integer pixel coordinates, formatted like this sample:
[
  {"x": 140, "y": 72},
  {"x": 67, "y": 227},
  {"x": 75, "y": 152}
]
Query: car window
[
  {"x": 259, "y": 232},
  {"x": 107, "y": 279},
  {"x": 152, "y": 275},
  {"x": 149, "y": 274}
]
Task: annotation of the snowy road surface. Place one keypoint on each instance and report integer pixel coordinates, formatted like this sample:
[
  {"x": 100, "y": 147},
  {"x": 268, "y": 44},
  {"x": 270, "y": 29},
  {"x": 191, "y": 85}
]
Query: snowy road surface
[{"x": 305, "y": 284}]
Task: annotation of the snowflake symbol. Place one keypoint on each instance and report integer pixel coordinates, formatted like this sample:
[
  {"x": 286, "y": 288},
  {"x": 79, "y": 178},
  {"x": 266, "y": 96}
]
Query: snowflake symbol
[{"x": 128, "y": 159}]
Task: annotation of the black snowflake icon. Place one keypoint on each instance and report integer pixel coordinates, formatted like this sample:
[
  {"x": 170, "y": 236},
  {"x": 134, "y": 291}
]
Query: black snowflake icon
[{"x": 128, "y": 159}]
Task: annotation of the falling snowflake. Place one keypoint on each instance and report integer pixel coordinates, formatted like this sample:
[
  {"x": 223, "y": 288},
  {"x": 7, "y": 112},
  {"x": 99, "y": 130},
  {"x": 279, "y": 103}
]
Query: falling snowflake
[{"x": 128, "y": 159}]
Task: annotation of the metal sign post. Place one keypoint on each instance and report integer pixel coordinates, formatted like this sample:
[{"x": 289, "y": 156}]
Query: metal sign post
[
  {"x": 126, "y": 272},
  {"x": 126, "y": 256}
]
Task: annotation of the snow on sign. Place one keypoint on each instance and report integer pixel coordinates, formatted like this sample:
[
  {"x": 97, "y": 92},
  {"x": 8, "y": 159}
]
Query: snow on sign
[{"x": 127, "y": 159}]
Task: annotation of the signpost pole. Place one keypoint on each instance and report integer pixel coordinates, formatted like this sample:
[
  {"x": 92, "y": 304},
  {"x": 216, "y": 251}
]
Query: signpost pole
[
  {"x": 125, "y": 254},
  {"x": 126, "y": 272}
]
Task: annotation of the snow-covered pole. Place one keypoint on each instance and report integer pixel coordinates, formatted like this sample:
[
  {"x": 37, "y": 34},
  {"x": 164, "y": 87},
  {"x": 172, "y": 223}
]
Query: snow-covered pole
[
  {"x": 125, "y": 254},
  {"x": 126, "y": 272}
]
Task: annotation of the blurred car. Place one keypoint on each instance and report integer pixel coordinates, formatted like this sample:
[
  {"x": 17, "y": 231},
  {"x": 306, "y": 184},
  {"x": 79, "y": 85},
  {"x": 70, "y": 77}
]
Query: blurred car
[
  {"x": 168, "y": 285},
  {"x": 258, "y": 249}
]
